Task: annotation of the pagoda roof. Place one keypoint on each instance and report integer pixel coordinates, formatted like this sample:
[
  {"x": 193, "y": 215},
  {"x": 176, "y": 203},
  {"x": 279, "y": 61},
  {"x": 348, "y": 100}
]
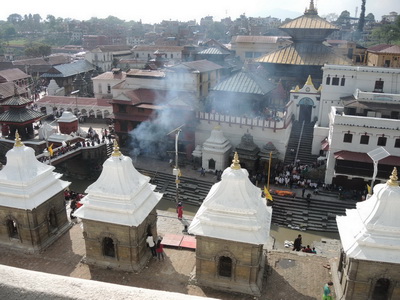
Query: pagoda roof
[
  {"x": 20, "y": 115},
  {"x": 314, "y": 54},
  {"x": 234, "y": 210},
  {"x": 308, "y": 21},
  {"x": 17, "y": 100},
  {"x": 244, "y": 82}
]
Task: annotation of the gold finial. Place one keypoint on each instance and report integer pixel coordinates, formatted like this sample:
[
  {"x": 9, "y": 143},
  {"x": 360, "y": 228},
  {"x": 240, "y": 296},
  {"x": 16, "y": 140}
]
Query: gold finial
[
  {"x": 297, "y": 88},
  {"x": 235, "y": 162},
  {"x": 312, "y": 10},
  {"x": 309, "y": 81},
  {"x": 319, "y": 89},
  {"x": 116, "y": 151},
  {"x": 18, "y": 142},
  {"x": 217, "y": 127},
  {"x": 393, "y": 178}
]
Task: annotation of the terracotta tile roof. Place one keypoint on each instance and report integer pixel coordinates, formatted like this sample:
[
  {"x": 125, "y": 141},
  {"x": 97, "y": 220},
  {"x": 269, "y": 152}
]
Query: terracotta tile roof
[
  {"x": 378, "y": 48},
  {"x": 12, "y": 74},
  {"x": 304, "y": 54},
  {"x": 395, "y": 49},
  {"x": 160, "y": 48},
  {"x": 364, "y": 157},
  {"x": 7, "y": 90},
  {"x": 111, "y": 75},
  {"x": 72, "y": 101}
]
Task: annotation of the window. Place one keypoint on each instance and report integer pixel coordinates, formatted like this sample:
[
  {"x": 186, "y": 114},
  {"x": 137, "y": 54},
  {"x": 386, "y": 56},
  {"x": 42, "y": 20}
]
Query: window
[
  {"x": 12, "y": 229},
  {"x": 172, "y": 55},
  {"x": 108, "y": 88},
  {"x": 248, "y": 55},
  {"x": 342, "y": 81},
  {"x": 348, "y": 137},
  {"x": 108, "y": 247},
  {"x": 52, "y": 219},
  {"x": 397, "y": 143},
  {"x": 378, "y": 86},
  {"x": 122, "y": 108},
  {"x": 382, "y": 141},
  {"x": 335, "y": 81},
  {"x": 225, "y": 266},
  {"x": 364, "y": 139},
  {"x": 328, "y": 80}
]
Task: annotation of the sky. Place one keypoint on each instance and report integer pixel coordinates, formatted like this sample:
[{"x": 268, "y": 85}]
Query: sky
[{"x": 155, "y": 11}]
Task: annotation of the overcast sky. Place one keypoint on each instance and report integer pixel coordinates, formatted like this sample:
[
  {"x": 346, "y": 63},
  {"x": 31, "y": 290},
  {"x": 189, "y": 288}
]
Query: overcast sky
[{"x": 154, "y": 11}]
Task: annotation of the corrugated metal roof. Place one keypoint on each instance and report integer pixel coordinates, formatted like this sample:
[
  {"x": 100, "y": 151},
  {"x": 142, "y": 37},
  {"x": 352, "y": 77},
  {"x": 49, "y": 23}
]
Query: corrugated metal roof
[
  {"x": 198, "y": 65},
  {"x": 67, "y": 70},
  {"x": 158, "y": 47},
  {"x": 214, "y": 51},
  {"x": 314, "y": 54},
  {"x": 20, "y": 115},
  {"x": 243, "y": 82}
]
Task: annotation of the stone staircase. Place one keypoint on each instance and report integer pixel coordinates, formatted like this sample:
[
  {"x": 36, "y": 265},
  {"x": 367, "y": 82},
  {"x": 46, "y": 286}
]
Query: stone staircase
[
  {"x": 300, "y": 140},
  {"x": 318, "y": 215}
]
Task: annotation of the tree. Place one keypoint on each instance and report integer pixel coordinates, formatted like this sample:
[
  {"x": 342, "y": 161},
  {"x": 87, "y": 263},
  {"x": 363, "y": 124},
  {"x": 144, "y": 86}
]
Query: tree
[
  {"x": 343, "y": 18},
  {"x": 332, "y": 17},
  {"x": 370, "y": 18},
  {"x": 388, "y": 33},
  {"x": 14, "y": 18},
  {"x": 37, "y": 49},
  {"x": 361, "y": 21}
]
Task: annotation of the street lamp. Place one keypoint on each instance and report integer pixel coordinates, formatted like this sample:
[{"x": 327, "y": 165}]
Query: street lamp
[
  {"x": 176, "y": 170},
  {"x": 76, "y": 102}
]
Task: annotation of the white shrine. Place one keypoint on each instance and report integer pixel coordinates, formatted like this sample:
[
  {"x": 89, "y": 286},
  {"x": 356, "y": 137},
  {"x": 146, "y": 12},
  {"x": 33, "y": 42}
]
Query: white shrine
[
  {"x": 216, "y": 151},
  {"x": 369, "y": 267},
  {"x": 32, "y": 205},
  {"x": 118, "y": 214},
  {"x": 232, "y": 229}
]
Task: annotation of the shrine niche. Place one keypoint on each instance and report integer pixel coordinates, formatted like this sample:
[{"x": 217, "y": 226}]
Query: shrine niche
[{"x": 248, "y": 153}]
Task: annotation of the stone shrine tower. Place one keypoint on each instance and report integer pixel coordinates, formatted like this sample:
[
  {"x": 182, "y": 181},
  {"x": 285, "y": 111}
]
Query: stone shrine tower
[
  {"x": 32, "y": 205},
  {"x": 232, "y": 228},
  {"x": 216, "y": 151},
  {"x": 68, "y": 123},
  {"x": 369, "y": 266},
  {"x": 117, "y": 214}
]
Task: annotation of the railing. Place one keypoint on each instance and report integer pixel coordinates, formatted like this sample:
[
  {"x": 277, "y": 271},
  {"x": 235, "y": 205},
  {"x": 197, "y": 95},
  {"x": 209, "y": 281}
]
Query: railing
[{"x": 273, "y": 122}]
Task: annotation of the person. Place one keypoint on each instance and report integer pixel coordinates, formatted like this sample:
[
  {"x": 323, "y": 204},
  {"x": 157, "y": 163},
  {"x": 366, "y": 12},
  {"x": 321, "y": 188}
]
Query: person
[
  {"x": 152, "y": 245},
  {"x": 72, "y": 205},
  {"x": 179, "y": 210},
  {"x": 203, "y": 172},
  {"x": 307, "y": 249},
  {"x": 327, "y": 295},
  {"x": 160, "y": 250},
  {"x": 297, "y": 243},
  {"x": 303, "y": 192}
]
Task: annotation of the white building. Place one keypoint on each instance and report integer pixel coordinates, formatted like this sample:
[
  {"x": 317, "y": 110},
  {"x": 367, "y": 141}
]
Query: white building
[{"x": 359, "y": 111}]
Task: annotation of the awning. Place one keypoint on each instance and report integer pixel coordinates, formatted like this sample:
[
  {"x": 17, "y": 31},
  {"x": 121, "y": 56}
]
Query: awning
[
  {"x": 363, "y": 157},
  {"x": 325, "y": 145}
]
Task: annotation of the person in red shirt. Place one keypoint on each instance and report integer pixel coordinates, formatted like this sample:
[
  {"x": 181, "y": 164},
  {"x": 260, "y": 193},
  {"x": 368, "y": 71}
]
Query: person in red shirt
[{"x": 160, "y": 250}]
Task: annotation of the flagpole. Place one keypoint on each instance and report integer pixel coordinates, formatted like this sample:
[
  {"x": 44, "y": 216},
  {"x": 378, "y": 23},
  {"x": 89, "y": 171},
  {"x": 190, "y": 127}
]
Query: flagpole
[{"x": 269, "y": 169}]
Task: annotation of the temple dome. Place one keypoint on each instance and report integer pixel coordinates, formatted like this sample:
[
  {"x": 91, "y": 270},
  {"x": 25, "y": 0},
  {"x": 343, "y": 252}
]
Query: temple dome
[
  {"x": 234, "y": 210},
  {"x": 371, "y": 230}
]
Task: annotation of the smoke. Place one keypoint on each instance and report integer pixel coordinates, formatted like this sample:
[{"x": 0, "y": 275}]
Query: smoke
[{"x": 150, "y": 137}]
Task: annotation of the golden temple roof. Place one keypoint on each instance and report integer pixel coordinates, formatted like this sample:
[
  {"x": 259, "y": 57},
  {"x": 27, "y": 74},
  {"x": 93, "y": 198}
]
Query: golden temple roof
[{"x": 314, "y": 54}]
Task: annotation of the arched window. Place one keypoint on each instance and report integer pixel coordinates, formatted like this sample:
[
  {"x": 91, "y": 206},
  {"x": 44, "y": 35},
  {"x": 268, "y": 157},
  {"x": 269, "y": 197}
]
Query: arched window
[
  {"x": 211, "y": 164},
  {"x": 12, "y": 229},
  {"x": 53, "y": 224},
  {"x": 225, "y": 266},
  {"x": 108, "y": 247},
  {"x": 381, "y": 289}
]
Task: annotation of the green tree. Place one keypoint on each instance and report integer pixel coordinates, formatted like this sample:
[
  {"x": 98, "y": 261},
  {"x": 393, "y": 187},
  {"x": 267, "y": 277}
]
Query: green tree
[
  {"x": 361, "y": 21},
  {"x": 370, "y": 18},
  {"x": 37, "y": 49},
  {"x": 14, "y": 18},
  {"x": 343, "y": 18},
  {"x": 388, "y": 33}
]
